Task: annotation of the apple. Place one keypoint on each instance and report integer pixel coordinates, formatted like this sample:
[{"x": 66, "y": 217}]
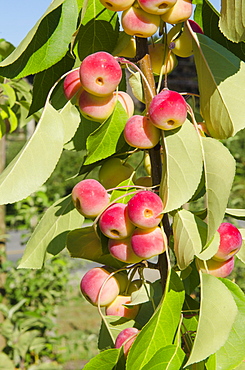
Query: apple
[
  {"x": 117, "y": 308},
  {"x": 96, "y": 108},
  {"x": 147, "y": 163},
  {"x": 139, "y": 132},
  {"x": 113, "y": 172},
  {"x": 156, "y": 6},
  {"x": 125, "y": 339},
  {"x": 134, "y": 286},
  {"x": 100, "y": 73},
  {"x": 121, "y": 249},
  {"x": 115, "y": 223},
  {"x": 168, "y": 110},
  {"x": 180, "y": 12},
  {"x": 145, "y": 181},
  {"x": 136, "y": 22},
  {"x": 129, "y": 51},
  {"x": 179, "y": 41},
  {"x": 91, "y": 285},
  {"x": 126, "y": 102},
  {"x": 217, "y": 268},
  {"x": 161, "y": 61},
  {"x": 90, "y": 197},
  {"x": 145, "y": 209},
  {"x": 147, "y": 243},
  {"x": 230, "y": 241},
  {"x": 195, "y": 26},
  {"x": 117, "y": 5},
  {"x": 72, "y": 84}
]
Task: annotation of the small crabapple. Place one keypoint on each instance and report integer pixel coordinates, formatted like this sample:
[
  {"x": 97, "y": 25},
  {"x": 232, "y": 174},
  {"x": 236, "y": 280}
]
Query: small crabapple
[
  {"x": 156, "y": 6},
  {"x": 136, "y": 22},
  {"x": 96, "y": 108},
  {"x": 139, "y": 132},
  {"x": 121, "y": 249},
  {"x": 161, "y": 62},
  {"x": 113, "y": 172},
  {"x": 147, "y": 243},
  {"x": 117, "y": 5},
  {"x": 180, "y": 12},
  {"x": 230, "y": 241},
  {"x": 117, "y": 308},
  {"x": 126, "y": 102},
  {"x": 72, "y": 84},
  {"x": 217, "y": 268},
  {"x": 126, "y": 338}
]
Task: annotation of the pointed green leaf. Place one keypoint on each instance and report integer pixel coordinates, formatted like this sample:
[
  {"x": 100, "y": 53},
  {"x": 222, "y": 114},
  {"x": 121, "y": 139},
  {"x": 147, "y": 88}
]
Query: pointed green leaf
[
  {"x": 161, "y": 328},
  {"x": 167, "y": 358},
  {"x": 71, "y": 119},
  {"x": 221, "y": 81},
  {"x": 51, "y": 232},
  {"x": 102, "y": 143},
  {"x": 211, "y": 248},
  {"x": 220, "y": 167},
  {"x": 128, "y": 188},
  {"x": 218, "y": 311},
  {"x": 5, "y": 362},
  {"x": 241, "y": 253},
  {"x": 46, "y": 43},
  {"x": 105, "y": 360},
  {"x": 232, "y": 20},
  {"x": 136, "y": 86},
  {"x": 236, "y": 213},
  {"x": 36, "y": 160},
  {"x": 183, "y": 166}
]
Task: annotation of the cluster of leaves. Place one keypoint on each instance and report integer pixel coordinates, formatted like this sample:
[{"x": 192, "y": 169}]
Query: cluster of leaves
[{"x": 208, "y": 330}]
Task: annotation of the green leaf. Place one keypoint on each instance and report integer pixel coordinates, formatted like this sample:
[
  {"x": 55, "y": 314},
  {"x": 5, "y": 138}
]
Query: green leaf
[
  {"x": 36, "y": 160},
  {"x": 211, "y": 248},
  {"x": 218, "y": 311},
  {"x": 46, "y": 43},
  {"x": 241, "y": 253},
  {"x": 182, "y": 168},
  {"x": 220, "y": 167},
  {"x": 6, "y": 48},
  {"x": 167, "y": 358},
  {"x": 71, "y": 119},
  {"x": 232, "y": 22},
  {"x": 221, "y": 81},
  {"x": 128, "y": 188},
  {"x": 5, "y": 362},
  {"x": 105, "y": 360},
  {"x": 51, "y": 232},
  {"x": 103, "y": 142},
  {"x": 187, "y": 240},
  {"x": 84, "y": 243},
  {"x": 232, "y": 352},
  {"x": 236, "y": 213},
  {"x": 136, "y": 86},
  {"x": 161, "y": 328}
]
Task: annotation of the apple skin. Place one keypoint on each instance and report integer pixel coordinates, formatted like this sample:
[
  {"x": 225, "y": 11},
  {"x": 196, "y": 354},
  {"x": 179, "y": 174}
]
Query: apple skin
[
  {"x": 230, "y": 241},
  {"x": 147, "y": 243},
  {"x": 136, "y": 22},
  {"x": 126, "y": 101},
  {"x": 145, "y": 209},
  {"x": 126, "y": 338},
  {"x": 159, "y": 63},
  {"x": 139, "y": 132},
  {"x": 117, "y": 5},
  {"x": 144, "y": 181},
  {"x": 168, "y": 110},
  {"x": 147, "y": 163},
  {"x": 195, "y": 26},
  {"x": 117, "y": 308},
  {"x": 180, "y": 41},
  {"x": 217, "y": 268},
  {"x": 122, "y": 250},
  {"x": 90, "y": 197},
  {"x": 91, "y": 284},
  {"x": 100, "y": 73},
  {"x": 156, "y": 6},
  {"x": 115, "y": 223},
  {"x": 180, "y": 12},
  {"x": 96, "y": 108},
  {"x": 129, "y": 51},
  {"x": 113, "y": 172},
  {"x": 72, "y": 84}
]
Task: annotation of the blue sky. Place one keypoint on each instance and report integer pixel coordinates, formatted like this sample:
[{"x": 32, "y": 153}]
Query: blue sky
[{"x": 19, "y": 16}]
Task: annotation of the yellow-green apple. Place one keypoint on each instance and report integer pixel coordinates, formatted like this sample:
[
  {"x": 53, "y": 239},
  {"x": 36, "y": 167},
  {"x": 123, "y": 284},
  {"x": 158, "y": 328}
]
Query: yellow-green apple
[
  {"x": 156, "y": 6},
  {"x": 121, "y": 249},
  {"x": 147, "y": 163},
  {"x": 147, "y": 243},
  {"x": 72, "y": 84},
  {"x": 179, "y": 13},
  {"x": 117, "y": 308},
  {"x": 144, "y": 181},
  {"x": 113, "y": 172},
  {"x": 139, "y": 132},
  {"x": 168, "y": 110},
  {"x": 134, "y": 286},
  {"x": 100, "y": 73},
  {"x": 96, "y": 108},
  {"x": 161, "y": 60},
  {"x": 136, "y": 22},
  {"x": 126, "y": 101},
  {"x": 115, "y": 223},
  {"x": 145, "y": 209},
  {"x": 217, "y": 268},
  {"x": 125, "y": 339},
  {"x": 90, "y": 197},
  {"x": 230, "y": 241},
  {"x": 117, "y": 5},
  {"x": 129, "y": 51}
]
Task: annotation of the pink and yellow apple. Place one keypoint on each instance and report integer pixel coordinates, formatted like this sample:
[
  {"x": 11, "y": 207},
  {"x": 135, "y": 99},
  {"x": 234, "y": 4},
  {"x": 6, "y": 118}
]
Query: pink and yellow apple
[
  {"x": 117, "y": 5},
  {"x": 72, "y": 84},
  {"x": 121, "y": 249},
  {"x": 147, "y": 243},
  {"x": 114, "y": 171},
  {"x": 126, "y": 338},
  {"x": 180, "y": 12},
  {"x": 96, "y": 108},
  {"x": 139, "y": 132},
  {"x": 117, "y": 308},
  {"x": 126, "y": 102},
  {"x": 217, "y": 268},
  {"x": 156, "y": 6},
  {"x": 230, "y": 241}
]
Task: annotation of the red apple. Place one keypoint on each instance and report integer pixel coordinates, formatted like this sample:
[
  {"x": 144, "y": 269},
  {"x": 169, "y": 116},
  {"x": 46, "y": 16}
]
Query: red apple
[
  {"x": 230, "y": 241},
  {"x": 125, "y": 339},
  {"x": 139, "y": 132},
  {"x": 217, "y": 268},
  {"x": 117, "y": 5},
  {"x": 96, "y": 108},
  {"x": 156, "y": 6},
  {"x": 126, "y": 101},
  {"x": 72, "y": 84},
  {"x": 147, "y": 243},
  {"x": 121, "y": 249},
  {"x": 179, "y": 13},
  {"x": 117, "y": 308}
]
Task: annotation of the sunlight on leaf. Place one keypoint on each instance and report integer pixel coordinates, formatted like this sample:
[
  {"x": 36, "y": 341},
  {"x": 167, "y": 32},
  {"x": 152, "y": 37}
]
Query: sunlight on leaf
[{"x": 232, "y": 21}]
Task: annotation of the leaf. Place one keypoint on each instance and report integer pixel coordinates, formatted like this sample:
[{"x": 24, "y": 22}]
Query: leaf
[
  {"x": 5, "y": 362},
  {"x": 46, "y": 43},
  {"x": 221, "y": 81},
  {"x": 127, "y": 192},
  {"x": 102, "y": 143},
  {"x": 211, "y": 248},
  {"x": 232, "y": 21},
  {"x": 71, "y": 119},
  {"x": 167, "y": 358},
  {"x": 136, "y": 86},
  {"x": 236, "y": 213},
  {"x": 183, "y": 167},
  {"x": 241, "y": 252},
  {"x": 105, "y": 360},
  {"x": 232, "y": 352},
  {"x": 161, "y": 328},
  {"x": 220, "y": 167},
  {"x": 51, "y": 232},
  {"x": 187, "y": 240},
  {"x": 218, "y": 311},
  {"x": 84, "y": 243}
]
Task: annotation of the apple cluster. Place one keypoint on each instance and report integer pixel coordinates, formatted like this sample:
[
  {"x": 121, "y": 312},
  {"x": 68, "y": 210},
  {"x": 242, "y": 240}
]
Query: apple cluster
[
  {"x": 222, "y": 263},
  {"x": 93, "y": 86}
]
